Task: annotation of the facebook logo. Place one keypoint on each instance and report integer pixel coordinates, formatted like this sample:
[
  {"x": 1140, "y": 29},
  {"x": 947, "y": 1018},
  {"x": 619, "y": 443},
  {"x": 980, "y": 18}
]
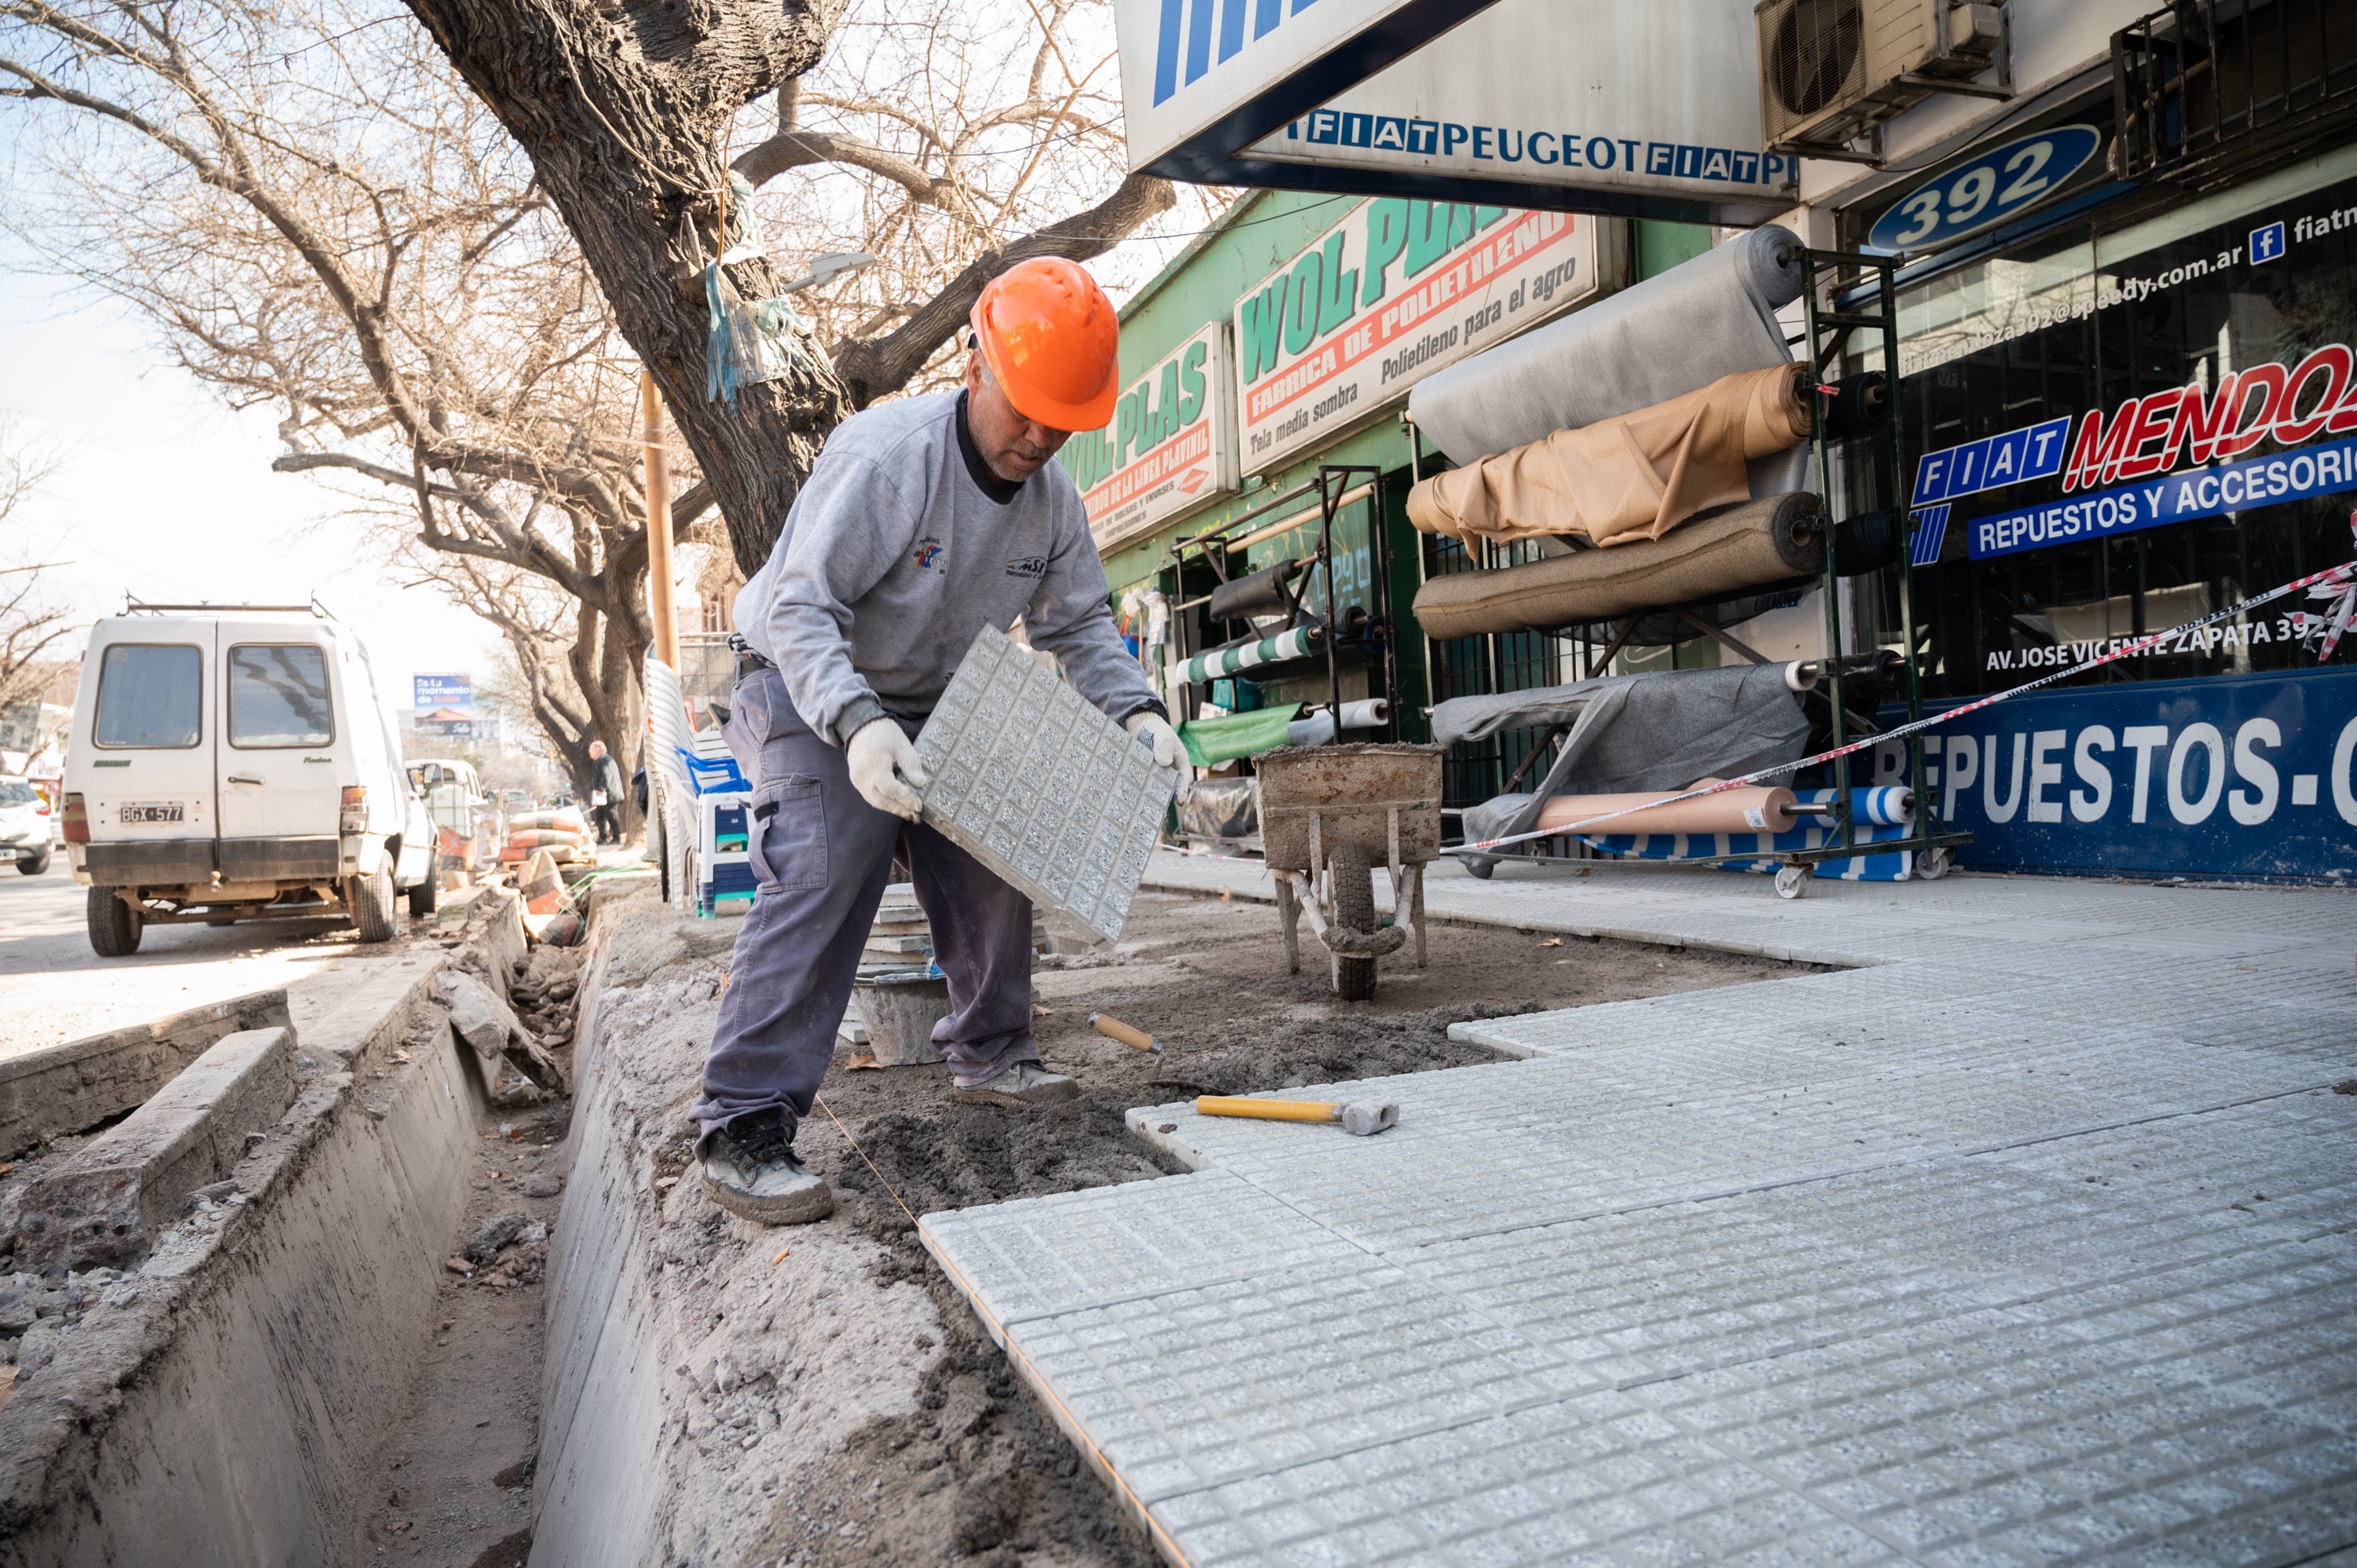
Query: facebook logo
[{"x": 2266, "y": 244}]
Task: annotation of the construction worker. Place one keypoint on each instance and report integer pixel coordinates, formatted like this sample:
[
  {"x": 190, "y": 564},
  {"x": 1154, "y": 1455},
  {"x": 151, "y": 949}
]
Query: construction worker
[{"x": 923, "y": 521}]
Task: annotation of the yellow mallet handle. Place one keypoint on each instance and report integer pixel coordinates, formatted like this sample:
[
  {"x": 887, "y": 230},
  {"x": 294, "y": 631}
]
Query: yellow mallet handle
[
  {"x": 1267, "y": 1110},
  {"x": 1113, "y": 1028}
]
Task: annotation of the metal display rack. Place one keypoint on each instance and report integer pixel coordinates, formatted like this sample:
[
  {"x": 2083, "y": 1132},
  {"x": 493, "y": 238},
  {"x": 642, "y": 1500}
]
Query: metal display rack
[
  {"x": 1332, "y": 490},
  {"x": 1845, "y": 292}
]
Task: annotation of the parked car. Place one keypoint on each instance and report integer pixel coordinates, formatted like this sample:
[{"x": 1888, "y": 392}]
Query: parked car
[
  {"x": 28, "y": 829},
  {"x": 461, "y": 813},
  {"x": 235, "y": 763}
]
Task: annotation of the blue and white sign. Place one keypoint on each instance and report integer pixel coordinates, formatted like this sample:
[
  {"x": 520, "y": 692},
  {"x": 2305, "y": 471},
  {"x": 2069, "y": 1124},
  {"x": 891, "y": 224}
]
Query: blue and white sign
[
  {"x": 430, "y": 692},
  {"x": 2033, "y": 452},
  {"x": 1665, "y": 122},
  {"x": 2244, "y": 775},
  {"x": 2197, "y": 492},
  {"x": 1996, "y": 187},
  {"x": 1201, "y": 78}
]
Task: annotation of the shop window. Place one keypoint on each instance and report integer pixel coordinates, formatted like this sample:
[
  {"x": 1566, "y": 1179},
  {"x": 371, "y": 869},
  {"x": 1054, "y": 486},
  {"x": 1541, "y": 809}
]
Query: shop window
[{"x": 2127, "y": 430}]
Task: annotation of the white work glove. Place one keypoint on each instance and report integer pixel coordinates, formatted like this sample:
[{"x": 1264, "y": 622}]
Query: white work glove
[
  {"x": 880, "y": 759},
  {"x": 1168, "y": 750}
]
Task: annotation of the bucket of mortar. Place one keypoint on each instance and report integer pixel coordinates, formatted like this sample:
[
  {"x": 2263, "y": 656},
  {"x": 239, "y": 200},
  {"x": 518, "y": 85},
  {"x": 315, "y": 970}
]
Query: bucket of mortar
[{"x": 900, "y": 1009}]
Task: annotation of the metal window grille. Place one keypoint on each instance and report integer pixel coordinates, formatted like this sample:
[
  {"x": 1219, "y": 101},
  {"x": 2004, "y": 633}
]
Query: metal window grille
[{"x": 2208, "y": 90}]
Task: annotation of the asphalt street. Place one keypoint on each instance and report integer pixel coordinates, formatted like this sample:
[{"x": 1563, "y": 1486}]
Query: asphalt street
[{"x": 53, "y": 988}]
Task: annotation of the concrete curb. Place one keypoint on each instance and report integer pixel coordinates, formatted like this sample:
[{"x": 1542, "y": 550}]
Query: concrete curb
[
  {"x": 73, "y": 1087},
  {"x": 105, "y": 1207},
  {"x": 226, "y": 1404}
]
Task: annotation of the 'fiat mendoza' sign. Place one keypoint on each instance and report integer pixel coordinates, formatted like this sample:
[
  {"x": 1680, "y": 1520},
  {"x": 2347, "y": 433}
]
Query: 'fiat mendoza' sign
[
  {"x": 1388, "y": 296},
  {"x": 1171, "y": 443}
]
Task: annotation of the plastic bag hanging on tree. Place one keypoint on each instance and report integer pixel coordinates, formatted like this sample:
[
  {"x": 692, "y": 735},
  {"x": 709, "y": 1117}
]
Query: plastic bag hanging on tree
[{"x": 749, "y": 343}]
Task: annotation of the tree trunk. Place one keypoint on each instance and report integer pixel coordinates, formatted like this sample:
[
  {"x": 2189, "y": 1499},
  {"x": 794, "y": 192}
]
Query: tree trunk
[{"x": 620, "y": 109}]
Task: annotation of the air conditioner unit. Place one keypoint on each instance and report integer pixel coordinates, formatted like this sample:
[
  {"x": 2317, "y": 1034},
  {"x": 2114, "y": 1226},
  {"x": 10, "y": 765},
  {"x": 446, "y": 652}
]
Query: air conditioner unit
[{"x": 1832, "y": 70}]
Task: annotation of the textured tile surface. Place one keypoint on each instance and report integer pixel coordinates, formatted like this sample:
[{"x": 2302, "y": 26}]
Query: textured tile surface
[
  {"x": 1031, "y": 779},
  {"x": 2028, "y": 1240}
]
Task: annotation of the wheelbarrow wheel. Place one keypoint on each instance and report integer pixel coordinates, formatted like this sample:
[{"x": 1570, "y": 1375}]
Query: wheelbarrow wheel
[{"x": 1354, "y": 910}]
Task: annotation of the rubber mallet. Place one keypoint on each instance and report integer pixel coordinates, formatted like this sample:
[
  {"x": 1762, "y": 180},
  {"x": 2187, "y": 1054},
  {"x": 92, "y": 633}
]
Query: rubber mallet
[
  {"x": 1361, "y": 1118},
  {"x": 1113, "y": 1028}
]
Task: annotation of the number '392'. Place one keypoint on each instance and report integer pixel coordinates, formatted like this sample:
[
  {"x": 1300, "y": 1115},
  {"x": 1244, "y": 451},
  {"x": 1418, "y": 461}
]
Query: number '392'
[{"x": 1983, "y": 191}]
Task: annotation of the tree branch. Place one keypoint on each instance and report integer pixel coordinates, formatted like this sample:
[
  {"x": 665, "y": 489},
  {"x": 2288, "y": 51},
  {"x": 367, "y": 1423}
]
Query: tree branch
[{"x": 878, "y": 367}]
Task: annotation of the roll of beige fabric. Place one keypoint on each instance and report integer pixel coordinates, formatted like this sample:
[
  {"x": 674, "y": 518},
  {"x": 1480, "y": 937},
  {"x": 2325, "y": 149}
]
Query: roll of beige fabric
[
  {"x": 1755, "y": 810},
  {"x": 1758, "y": 545},
  {"x": 1636, "y": 477}
]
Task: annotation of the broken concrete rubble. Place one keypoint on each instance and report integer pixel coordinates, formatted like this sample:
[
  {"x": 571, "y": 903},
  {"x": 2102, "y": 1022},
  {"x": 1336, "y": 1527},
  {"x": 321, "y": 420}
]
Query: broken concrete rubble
[{"x": 489, "y": 1025}]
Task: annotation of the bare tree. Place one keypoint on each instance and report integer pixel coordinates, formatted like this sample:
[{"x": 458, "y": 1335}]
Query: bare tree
[
  {"x": 32, "y": 623},
  {"x": 324, "y": 224}
]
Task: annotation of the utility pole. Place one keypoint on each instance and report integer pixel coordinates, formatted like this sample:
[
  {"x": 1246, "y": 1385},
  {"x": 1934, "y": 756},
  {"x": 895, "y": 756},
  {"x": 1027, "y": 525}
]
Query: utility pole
[{"x": 661, "y": 617}]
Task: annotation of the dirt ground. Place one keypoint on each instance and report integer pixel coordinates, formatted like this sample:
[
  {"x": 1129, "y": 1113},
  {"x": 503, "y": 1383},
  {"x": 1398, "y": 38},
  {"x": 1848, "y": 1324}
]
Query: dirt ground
[
  {"x": 456, "y": 1488},
  {"x": 979, "y": 1475}
]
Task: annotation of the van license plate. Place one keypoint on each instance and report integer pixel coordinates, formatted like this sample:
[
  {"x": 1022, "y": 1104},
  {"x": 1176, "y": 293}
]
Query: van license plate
[{"x": 154, "y": 812}]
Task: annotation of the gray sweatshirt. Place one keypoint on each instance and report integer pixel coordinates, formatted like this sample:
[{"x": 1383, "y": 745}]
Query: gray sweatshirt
[{"x": 903, "y": 545}]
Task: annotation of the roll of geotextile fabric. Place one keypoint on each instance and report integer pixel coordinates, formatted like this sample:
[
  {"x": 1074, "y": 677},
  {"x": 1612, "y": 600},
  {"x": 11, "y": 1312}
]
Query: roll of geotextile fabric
[
  {"x": 1635, "y": 476},
  {"x": 1755, "y": 810},
  {"x": 1258, "y": 593},
  {"x": 1294, "y": 644},
  {"x": 1704, "y": 318},
  {"x": 1732, "y": 552},
  {"x": 1317, "y": 727}
]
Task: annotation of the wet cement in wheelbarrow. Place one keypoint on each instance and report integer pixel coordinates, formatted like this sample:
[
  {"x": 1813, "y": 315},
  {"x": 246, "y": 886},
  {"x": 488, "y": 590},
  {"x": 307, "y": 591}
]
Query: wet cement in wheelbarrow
[{"x": 979, "y": 1475}]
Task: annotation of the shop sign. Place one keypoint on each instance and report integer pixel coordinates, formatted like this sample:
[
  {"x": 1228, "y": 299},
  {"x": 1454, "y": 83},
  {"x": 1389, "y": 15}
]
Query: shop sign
[
  {"x": 1984, "y": 191},
  {"x": 2249, "y": 775},
  {"x": 1394, "y": 292},
  {"x": 1171, "y": 443},
  {"x": 1201, "y": 78},
  {"x": 1665, "y": 123},
  {"x": 2145, "y": 437}
]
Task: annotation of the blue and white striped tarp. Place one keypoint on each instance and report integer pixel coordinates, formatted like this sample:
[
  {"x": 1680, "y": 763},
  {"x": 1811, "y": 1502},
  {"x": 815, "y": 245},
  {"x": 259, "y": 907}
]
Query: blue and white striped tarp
[{"x": 1880, "y": 814}]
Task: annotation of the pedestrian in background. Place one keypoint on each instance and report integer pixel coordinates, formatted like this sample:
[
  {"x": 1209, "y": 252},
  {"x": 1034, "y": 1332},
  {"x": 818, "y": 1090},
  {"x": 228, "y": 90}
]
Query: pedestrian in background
[{"x": 604, "y": 794}]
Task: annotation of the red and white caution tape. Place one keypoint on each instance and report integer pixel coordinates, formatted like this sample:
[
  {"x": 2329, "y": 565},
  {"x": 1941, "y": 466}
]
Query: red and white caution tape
[{"x": 2338, "y": 584}]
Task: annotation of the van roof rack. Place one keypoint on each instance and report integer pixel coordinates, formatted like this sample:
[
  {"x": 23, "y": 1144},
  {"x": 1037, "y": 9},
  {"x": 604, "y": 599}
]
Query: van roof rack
[{"x": 132, "y": 605}]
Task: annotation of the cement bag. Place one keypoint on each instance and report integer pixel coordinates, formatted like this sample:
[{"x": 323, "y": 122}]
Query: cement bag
[
  {"x": 1704, "y": 318},
  {"x": 546, "y": 838},
  {"x": 565, "y": 819},
  {"x": 1635, "y": 476},
  {"x": 1723, "y": 553}
]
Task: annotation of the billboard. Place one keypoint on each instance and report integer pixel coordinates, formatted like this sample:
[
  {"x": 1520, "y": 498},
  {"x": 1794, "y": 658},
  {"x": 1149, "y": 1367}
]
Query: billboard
[
  {"x": 1591, "y": 105},
  {"x": 1171, "y": 443},
  {"x": 444, "y": 705},
  {"x": 1397, "y": 290}
]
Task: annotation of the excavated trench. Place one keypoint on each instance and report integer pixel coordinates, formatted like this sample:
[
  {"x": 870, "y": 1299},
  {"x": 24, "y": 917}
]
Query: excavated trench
[{"x": 443, "y": 1313}]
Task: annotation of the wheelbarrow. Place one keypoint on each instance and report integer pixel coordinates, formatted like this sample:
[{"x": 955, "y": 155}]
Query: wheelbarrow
[{"x": 1329, "y": 816}]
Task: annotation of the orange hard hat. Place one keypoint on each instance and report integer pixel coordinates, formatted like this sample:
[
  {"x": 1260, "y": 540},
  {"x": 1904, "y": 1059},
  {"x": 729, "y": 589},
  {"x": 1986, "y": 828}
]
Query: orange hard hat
[{"x": 1050, "y": 335}]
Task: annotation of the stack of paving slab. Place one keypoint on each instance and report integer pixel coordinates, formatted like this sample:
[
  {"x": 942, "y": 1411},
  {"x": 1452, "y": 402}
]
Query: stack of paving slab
[{"x": 902, "y": 939}]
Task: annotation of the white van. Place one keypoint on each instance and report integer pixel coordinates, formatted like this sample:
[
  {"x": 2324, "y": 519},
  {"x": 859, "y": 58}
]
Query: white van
[{"x": 234, "y": 763}]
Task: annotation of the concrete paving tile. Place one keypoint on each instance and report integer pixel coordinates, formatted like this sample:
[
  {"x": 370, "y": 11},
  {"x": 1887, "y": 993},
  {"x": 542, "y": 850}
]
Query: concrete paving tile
[
  {"x": 1106, "y": 1244},
  {"x": 2027, "y": 1242}
]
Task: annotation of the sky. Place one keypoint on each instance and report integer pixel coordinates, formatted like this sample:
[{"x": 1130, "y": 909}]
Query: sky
[{"x": 162, "y": 493}]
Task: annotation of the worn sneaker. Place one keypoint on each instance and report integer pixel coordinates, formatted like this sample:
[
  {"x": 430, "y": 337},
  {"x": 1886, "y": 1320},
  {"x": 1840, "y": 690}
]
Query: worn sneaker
[
  {"x": 751, "y": 1170},
  {"x": 1022, "y": 1085}
]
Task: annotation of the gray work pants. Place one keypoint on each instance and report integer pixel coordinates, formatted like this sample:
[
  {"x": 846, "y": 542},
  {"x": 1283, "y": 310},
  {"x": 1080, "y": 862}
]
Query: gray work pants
[{"x": 820, "y": 857}]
